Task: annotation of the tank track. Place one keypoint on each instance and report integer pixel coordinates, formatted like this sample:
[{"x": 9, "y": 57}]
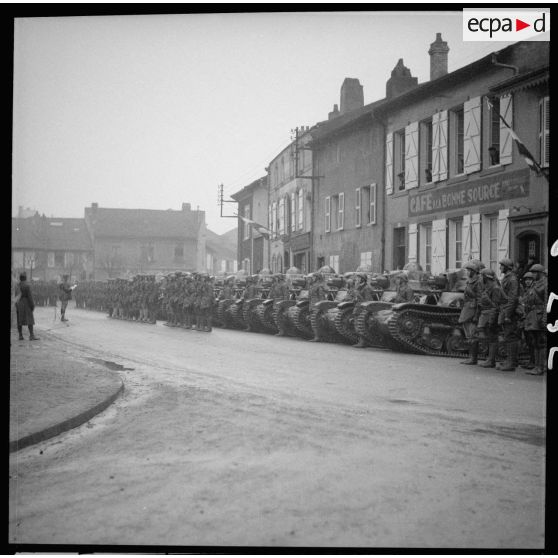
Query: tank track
[
  {"x": 372, "y": 336},
  {"x": 265, "y": 317},
  {"x": 301, "y": 320},
  {"x": 248, "y": 313},
  {"x": 345, "y": 325},
  {"x": 281, "y": 319},
  {"x": 235, "y": 311},
  {"x": 223, "y": 316},
  {"x": 320, "y": 324},
  {"x": 419, "y": 318}
]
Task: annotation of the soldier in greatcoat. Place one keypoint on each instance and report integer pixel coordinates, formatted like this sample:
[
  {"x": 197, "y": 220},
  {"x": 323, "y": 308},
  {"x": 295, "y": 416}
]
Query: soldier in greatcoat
[
  {"x": 469, "y": 313},
  {"x": 64, "y": 294},
  {"x": 508, "y": 318},
  {"x": 24, "y": 307}
]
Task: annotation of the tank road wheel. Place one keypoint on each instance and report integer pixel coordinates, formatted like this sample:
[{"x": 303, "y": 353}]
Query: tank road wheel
[
  {"x": 280, "y": 318},
  {"x": 248, "y": 310},
  {"x": 302, "y": 322},
  {"x": 410, "y": 325},
  {"x": 365, "y": 327},
  {"x": 344, "y": 323},
  {"x": 236, "y": 315},
  {"x": 456, "y": 344},
  {"x": 316, "y": 321},
  {"x": 265, "y": 315}
]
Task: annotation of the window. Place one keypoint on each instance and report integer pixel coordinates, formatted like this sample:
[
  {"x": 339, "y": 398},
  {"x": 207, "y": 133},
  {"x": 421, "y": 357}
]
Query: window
[
  {"x": 399, "y": 247},
  {"x": 69, "y": 259},
  {"x": 147, "y": 253},
  {"x": 59, "y": 259},
  {"x": 115, "y": 250},
  {"x": 399, "y": 159},
  {"x": 327, "y": 214},
  {"x": 334, "y": 263},
  {"x": 357, "y": 207},
  {"x": 544, "y": 132},
  {"x": 245, "y": 225},
  {"x": 366, "y": 258},
  {"x": 178, "y": 251},
  {"x": 493, "y": 242},
  {"x": 372, "y": 204},
  {"x": 426, "y": 151},
  {"x": 50, "y": 259},
  {"x": 494, "y": 133},
  {"x": 274, "y": 227},
  {"x": 425, "y": 252},
  {"x": 293, "y": 212},
  {"x": 246, "y": 265},
  {"x": 456, "y": 141},
  {"x": 17, "y": 260},
  {"x": 300, "y": 210},
  {"x": 282, "y": 216},
  {"x": 320, "y": 262},
  {"x": 340, "y": 211}
]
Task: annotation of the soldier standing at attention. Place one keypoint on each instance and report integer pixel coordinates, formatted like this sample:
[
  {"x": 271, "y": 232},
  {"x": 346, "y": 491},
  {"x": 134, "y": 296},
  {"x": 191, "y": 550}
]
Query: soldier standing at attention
[
  {"x": 362, "y": 293},
  {"x": 404, "y": 292},
  {"x": 492, "y": 297},
  {"x": 468, "y": 317},
  {"x": 24, "y": 308},
  {"x": 64, "y": 294},
  {"x": 206, "y": 302},
  {"x": 508, "y": 317},
  {"x": 534, "y": 302},
  {"x": 318, "y": 291}
]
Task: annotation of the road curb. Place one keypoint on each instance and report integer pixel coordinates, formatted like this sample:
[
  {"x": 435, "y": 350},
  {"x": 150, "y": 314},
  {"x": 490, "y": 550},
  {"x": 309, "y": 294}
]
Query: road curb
[{"x": 65, "y": 425}]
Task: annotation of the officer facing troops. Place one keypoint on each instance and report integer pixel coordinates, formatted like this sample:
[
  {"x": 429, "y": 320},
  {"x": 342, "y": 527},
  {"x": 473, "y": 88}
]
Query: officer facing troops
[
  {"x": 534, "y": 303},
  {"x": 317, "y": 291},
  {"x": 468, "y": 317},
  {"x": 508, "y": 317},
  {"x": 491, "y": 299},
  {"x": 64, "y": 294}
]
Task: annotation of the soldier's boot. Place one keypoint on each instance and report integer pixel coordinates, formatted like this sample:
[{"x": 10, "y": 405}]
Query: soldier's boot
[
  {"x": 510, "y": 364},
  {"x": 20, "y": 331},
  {"x": 361, "y": 343},
  {"x": 532, "y": 359},
  {"x": 540, "y": 363},
  {"x": 32, "y": 335},
  {"x": 62, "y": 317},
  {"x": 473, "y": 353},
  {"x": 490, "y": 362}
]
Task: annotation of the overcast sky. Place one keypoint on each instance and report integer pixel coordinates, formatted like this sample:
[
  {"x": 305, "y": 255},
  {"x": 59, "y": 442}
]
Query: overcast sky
[{"x": 150, "y": 111}]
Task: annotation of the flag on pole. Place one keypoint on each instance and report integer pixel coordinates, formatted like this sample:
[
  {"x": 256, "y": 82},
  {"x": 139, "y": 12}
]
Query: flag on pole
[
  {"x": 521, "y": 147},
  {"x": 260, "y": 228}
]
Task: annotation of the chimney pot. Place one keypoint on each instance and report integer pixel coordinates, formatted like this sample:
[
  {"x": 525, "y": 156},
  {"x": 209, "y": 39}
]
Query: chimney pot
[
  {"x": 352, "y": 95},
  {"x": 400, "y": 81},
  {"x": 438, "y": 57},
  {"x": 186, "y": 207},
  {"x": 94, "y": 206}
]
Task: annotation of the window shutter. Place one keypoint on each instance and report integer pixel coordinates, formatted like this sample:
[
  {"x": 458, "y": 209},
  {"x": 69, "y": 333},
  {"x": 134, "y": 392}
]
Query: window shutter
[
  {"x": 438, "y": 247},
  {"x": 413, "y": 237},
  {"x": 389, "y": 163},
  {"x": 327, "y": 214},
  {"x": 503, "y": 234},
  {"x": 475, "y": 236},
  {"x": 411, "y": 155},
  {"x": 544, "y": 132},
  {"x": 341, "y": 212},
  {"x": 435, "y": 149},
  {"x": 506, "y": 141},
  {"x": 466, "y": 246},
  {"x": 372, "y": 220},
  {"x": 440, "y": 146},
  {"x": 472, "y": 135},
  {"x": 357, "y": 207},
  {"x": 301, "y": 209},
  {"x": 293, "y": 212}
]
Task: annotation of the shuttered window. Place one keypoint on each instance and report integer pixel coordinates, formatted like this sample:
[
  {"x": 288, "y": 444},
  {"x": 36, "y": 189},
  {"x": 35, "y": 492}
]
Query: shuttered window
[
  {"x": 341, "y": 211},
  {"x": 372, "y": 206},
  {"x": 300, "y": 210},
  {"x": 389, "y": 163},
  {"x": 438, "y": 247},
  {"x": 472, "y": 135},
  {"x": 358, "y": 214},
  {"x": 506, "y": 141},
  {"x": 440, "y": 146},
  {"x": 327, "y": 214},
  {"x": 411, "y": 155},
  {"x": 413, "y": 242},
  {"x": 544, "y": 132},
  {"x": 293, "y": 212}
]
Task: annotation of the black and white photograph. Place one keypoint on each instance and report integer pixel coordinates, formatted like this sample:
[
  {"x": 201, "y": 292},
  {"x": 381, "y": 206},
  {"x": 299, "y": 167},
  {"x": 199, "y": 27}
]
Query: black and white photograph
[{"x": 279, "y": 280}]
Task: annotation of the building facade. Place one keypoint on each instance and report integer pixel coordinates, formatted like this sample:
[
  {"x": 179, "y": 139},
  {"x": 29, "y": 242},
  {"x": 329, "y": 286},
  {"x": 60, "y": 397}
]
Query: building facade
[
  {"x": 290, "y": 205},
  {"x": 130, "y": 241},
  {"x": 456, "y": 187},
  {"x": 47, "y": 248},
  {"x": 252, "y": 245},
  {"x": 221, "y": 252},
  {"x": 348, "y": 200}
]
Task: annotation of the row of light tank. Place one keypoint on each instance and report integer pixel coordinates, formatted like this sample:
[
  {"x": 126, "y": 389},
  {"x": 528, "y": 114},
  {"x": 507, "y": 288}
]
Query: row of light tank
[{"x": 426, "y": 325}]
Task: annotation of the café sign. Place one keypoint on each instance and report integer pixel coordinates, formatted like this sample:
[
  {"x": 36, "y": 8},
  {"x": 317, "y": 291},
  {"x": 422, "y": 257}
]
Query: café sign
[{"x": 491, "y": 189}]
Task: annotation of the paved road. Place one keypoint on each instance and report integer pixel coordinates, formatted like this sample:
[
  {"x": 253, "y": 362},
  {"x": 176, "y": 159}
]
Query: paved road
[{"x": 235, "y": 438}]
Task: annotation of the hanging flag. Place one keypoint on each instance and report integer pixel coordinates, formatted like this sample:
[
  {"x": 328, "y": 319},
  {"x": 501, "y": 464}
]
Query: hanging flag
[
  {"x": 521, "y": 147},
  {"x": 260, "y": 228}
]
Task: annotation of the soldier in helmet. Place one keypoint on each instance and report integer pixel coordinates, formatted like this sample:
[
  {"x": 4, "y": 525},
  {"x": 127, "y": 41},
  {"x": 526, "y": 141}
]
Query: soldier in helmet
[
  {"x": 279, "y": 288},
  {"x": 227, "y": 292},
  {"x": 469, "y": 313},
  {"x": 404, "y": 292},
  {"x": 508, "y": 317},
  {"x": 318, "y": 291},
  {"x": 361, "y": 293},
  {"x": 206, "y": 302},
  {"x": 489, "y": 303},
  {"x": 64, "y": 294},
  {"x": 534, "y": 302}
]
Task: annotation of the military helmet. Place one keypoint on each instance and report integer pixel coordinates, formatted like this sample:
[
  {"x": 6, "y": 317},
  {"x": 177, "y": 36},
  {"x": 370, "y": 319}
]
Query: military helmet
[
  {"x": 528, "y": 275},
  {"x": 362, "y": 276},
  {"x": 402, "y": 277},
  {"x": 488, "y": 273},
  {"x": 230, "y": 278},
  {"x": 537, "y": 268},
  {"x": 506, "y": 262},
  {"x": 366, "y": 268},
  {"x": 472, "y": 265},
  {"x": 293, "y": 271}
]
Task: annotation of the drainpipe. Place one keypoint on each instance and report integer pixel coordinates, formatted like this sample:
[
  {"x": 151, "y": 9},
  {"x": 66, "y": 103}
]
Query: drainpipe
[{"x": 496, "y": 63}]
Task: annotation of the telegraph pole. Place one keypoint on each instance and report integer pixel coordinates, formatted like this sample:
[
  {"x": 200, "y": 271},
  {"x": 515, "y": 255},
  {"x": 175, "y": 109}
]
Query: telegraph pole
[{"x": 221, "y": 201}]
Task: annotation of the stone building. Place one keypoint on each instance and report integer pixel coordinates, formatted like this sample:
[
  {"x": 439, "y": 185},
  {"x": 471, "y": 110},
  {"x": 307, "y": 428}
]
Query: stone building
[
  {"x": 130, "y": 241},
  {"x": 456, "y": 187},
  {"x": 252, "y": 245},
  {"x": 47, "y": 248},
  {"x": 290, "y": 207}
]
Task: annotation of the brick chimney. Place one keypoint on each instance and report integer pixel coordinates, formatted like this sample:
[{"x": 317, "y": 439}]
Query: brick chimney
[
  {"x": 438, "y": 57},
  {"x": 400, "y": 80},
  {"x": 334, "y": 113},
  {"x": 352, "y": 95},
  {"x": 186, "y": 207},
  {"x": 94, "y": 207}
]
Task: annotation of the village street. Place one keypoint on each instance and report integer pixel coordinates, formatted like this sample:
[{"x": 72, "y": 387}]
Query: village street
[{"x": 241, "y": 439}]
